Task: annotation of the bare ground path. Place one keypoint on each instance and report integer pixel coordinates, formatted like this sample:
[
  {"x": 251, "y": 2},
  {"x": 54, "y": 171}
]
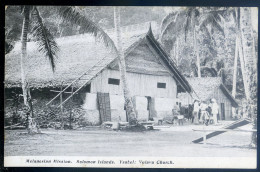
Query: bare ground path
[{"x": 173, "y": 141}]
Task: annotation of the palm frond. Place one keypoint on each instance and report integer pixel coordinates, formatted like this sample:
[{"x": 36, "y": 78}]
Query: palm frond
[
  {"x": 231, "y": 11},
  {"x": 45, "y": 40},
  {"x": 192, "y": 16},
  {"x": 173, "y": 28},
  {"x": 212, "y": 19},
  {"x": 187, "y": 25},
  {"x": 74, "y": 15},
  {"x": 206, "y": 30},
  {"x": 168, "y": 19}
]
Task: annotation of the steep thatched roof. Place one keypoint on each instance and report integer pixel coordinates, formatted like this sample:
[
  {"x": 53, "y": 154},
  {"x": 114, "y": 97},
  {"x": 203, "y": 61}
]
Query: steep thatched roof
[
  {"x": 206, "y": 86},
  {"x": 77, "y": 54},
  {"x": 169, "y": 62}
]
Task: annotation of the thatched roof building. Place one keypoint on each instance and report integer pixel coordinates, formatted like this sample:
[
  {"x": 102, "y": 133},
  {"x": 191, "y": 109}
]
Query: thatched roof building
[
  {"x": 206, "y": 88},
  {"x": 153, "y": 77},
  {"x": 77, "y": 54}
]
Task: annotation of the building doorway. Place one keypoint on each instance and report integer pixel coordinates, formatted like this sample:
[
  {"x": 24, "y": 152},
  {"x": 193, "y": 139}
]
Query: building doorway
[
  {"x": 149, "y": 104},
  {"x": 222, "y": 107},
  {"x": 104, "y": 106}
]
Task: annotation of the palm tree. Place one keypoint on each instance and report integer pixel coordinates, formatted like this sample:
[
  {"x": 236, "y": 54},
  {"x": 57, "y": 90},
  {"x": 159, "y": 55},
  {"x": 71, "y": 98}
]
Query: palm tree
[
  {"x": 245, "y": 49},
  {"x": 75, "y": 16},
  {"x": 46, "y": 45},
  {"x": 194, "y": 23},
  {"x": 250, "y": 66},
  {"x": 45, "y": 40},
  {"x": 128, "y": 101},
  {"x": 247, "y": 58}
]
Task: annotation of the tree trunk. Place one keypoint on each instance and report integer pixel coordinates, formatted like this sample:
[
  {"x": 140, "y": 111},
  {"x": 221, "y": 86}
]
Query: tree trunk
[
  {"x": 244, "y": 75},
  {"x": 234, "y": 86},
  {"x": 24, "y": 53},
  {"x": 128, "y": 100},
  {"x": 250, "y": 66},
  {"x": 235, "y": 70},
  {"x": 177, "y": 51},
  {"x": 32, "y": 125},
  {"x": 196, "y": 52}
]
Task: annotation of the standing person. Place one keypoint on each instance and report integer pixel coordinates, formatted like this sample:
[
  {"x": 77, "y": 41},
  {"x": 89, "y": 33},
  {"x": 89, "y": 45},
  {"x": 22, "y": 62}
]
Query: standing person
[
  {"x": 180, "y": 119},
  {"x": 204, "y": 114},
  {"x": 196, "y": 109},
  {"x": 190, "y": 110},
  {"x": 175, "y": 112},
  {"x": 180, "y": 115},
  {"x": 214, "y": 108}
]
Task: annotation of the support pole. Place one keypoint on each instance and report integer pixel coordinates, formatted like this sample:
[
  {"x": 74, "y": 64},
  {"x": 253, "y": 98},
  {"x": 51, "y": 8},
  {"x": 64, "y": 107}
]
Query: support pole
[
  {"x": 205, "y": 138},
  {"x": 61, "y": 108}
]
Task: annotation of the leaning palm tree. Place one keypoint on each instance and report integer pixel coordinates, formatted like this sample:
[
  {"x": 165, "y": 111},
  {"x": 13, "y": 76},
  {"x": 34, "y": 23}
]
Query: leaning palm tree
[
  {"x": 75, "y": 16},
  {"x": 128, "y": 101},
  {"x": 46, "y": 45},
  {"x": 250, "y": 66}
]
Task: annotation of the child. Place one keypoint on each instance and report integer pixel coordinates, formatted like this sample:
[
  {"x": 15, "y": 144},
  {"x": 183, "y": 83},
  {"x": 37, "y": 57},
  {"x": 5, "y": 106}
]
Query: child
[{"x": 180, "y": 119}]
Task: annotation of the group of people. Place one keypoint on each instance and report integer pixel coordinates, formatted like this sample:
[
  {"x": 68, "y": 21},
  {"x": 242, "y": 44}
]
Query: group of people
[
  {"x": 198, "y": 112},
  {"x": 203, "y": 112}
]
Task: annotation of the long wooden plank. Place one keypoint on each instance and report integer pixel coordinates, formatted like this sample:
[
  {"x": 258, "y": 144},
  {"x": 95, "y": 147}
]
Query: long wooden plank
[
  {"x": 229, "y": 130},
  {"x": 234, "y": 125},
  {"x": 87, "y": 73}
]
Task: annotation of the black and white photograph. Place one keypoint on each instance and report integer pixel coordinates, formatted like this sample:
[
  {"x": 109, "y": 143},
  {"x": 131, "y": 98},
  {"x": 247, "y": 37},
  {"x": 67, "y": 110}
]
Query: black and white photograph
[{"x": 130, "y": 86}]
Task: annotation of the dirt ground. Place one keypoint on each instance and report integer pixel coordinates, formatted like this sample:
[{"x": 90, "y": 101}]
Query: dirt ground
[{"x": 164, "y": 141}]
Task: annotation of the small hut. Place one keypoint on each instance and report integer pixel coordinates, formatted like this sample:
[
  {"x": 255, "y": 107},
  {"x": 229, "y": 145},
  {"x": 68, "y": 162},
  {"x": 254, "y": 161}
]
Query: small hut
[{"x": 207, "y": 88}]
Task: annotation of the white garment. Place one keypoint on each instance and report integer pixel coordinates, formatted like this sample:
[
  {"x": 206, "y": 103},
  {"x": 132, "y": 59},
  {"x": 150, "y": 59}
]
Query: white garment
[
  {"x": 203, "y": 106},
  {"x": 180, "y": 116},
  {"x": 214, "y": 108},
  {"x": 214, "y": 111},
  {"x": 196, "y": 107}
]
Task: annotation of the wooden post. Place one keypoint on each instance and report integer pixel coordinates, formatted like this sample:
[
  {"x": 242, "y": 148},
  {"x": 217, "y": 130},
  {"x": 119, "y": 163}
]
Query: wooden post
[
  {"x": 61, "y": 108},
  {"x": 205, "y": 138},
  {"x": 61, "y": 101},
  {"x": 70, "y": 120},
  {"x": 70, "y": 106}
]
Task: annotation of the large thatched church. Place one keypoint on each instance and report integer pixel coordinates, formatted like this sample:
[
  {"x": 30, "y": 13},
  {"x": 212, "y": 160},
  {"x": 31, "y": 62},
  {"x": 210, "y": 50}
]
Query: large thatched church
[{"x": 152, "y": 76}]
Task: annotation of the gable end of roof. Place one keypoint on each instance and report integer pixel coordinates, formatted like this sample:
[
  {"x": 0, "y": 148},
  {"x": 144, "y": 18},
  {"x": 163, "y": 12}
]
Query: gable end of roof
[
  {"x": 168, "y": 61},
  {"x": 229, "y": 96}
]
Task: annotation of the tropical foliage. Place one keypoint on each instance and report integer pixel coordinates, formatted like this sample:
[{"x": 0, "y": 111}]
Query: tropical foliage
[{"x": 221, "y": 42}]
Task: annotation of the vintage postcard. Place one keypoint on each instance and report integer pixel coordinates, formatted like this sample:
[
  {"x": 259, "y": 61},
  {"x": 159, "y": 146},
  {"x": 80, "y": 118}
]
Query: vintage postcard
[{"x": 141, "y": 87}]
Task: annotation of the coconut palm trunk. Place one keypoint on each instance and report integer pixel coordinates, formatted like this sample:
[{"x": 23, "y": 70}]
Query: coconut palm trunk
[
  {"x": 234, "y": 87},
  {"x": 23, "y": 56},
  {"x": 250, "y": 67},
  {"x": 177, "y": 51},
  {"x": 127, "y": 95},
  {"x": 196, "y": 51},
  {"x": 47, "y": 46},
  {"x": 31, "y": 124}
]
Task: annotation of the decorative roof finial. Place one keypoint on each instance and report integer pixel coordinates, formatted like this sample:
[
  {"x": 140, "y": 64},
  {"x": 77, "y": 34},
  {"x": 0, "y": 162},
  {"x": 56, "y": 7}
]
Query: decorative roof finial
[{"x": 150, "y": 32}]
